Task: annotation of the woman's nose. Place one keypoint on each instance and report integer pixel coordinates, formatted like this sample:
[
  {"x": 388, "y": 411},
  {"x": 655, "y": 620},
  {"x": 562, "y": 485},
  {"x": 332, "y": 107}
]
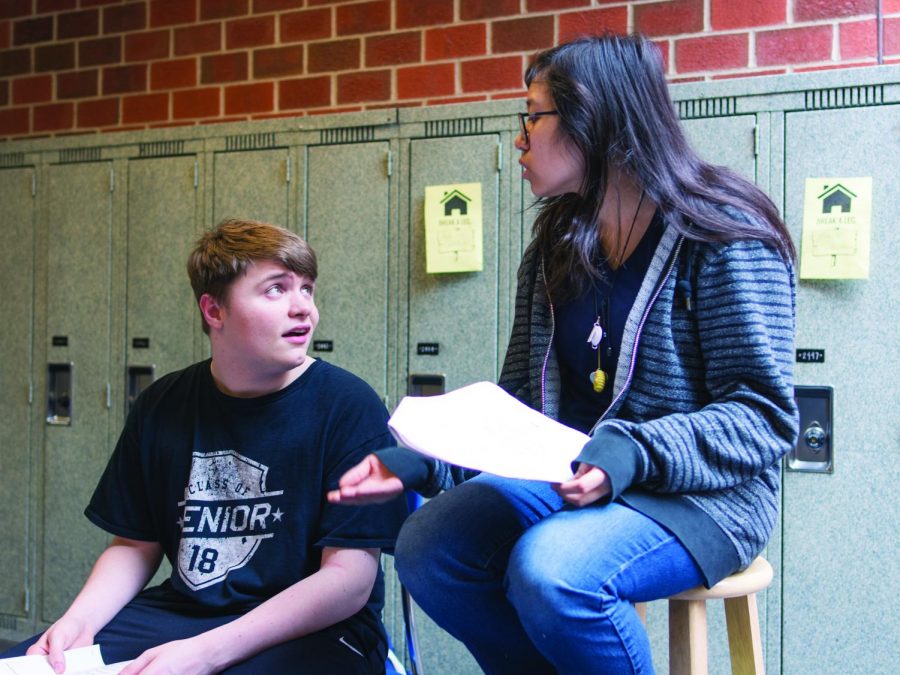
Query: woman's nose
[{"x": 521, "y": 142}]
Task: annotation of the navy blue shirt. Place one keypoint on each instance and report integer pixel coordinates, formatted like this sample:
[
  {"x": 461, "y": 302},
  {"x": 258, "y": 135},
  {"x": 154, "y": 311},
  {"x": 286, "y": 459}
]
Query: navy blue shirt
[
  {"x": 234, "y": 488},
  {"x": 580, "y": 405}
]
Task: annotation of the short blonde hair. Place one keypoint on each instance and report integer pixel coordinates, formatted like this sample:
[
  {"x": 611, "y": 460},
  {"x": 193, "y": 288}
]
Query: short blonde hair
[{"x": 226, "y": 251}]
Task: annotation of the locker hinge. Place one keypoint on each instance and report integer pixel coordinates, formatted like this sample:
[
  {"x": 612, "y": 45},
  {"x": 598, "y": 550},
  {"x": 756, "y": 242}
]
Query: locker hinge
[
  {"x": 288, "y": 165},
  {"x": 756, "y": 140},
  {"x": 196, "y": 174},
  {"x": 33, "y": 184},
  {"x": 112, "y": 179},
  {"x": 389, "y": 163},
  {"x": 499, "y": 156},
  {"x": 30, "y": 393},
  {"x": 27, "y": 600},
  {"x": 108, "y": 396}
]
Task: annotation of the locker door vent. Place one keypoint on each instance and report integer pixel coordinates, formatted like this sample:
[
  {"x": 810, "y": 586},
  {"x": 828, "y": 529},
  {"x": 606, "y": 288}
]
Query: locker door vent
[
  {"x": 250, "y": 142},
  {"x": 161, "y": 149},
  {"x": 844, "y": 97},
  {"x": 695, "y": 108},
  {"x": 459, "y": 127},
  {"x": 8, "y": 622},
  {"x": 75, "y": 155},
  {"x": 12, "y": 159},
  {"x": 347, "y": 135}
]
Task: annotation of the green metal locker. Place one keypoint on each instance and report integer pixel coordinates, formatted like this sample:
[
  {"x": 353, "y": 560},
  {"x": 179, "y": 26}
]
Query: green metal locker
[
  {"x": 161, "y": 314},
  {"x": 252, "y": 184},
  {"x": 727, "y": 141},
  {"x": 78, "y": 217},
  {"x": 456, "y": 311},
  {"x": 841, "y": 551},
  {"x": 348, "y": 224},
  {"x": 16, "y": 391}
]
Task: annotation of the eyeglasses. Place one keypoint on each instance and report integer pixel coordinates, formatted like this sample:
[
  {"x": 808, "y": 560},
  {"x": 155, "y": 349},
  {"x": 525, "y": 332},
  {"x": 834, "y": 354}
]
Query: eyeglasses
[{"x": 527, "y": 120}]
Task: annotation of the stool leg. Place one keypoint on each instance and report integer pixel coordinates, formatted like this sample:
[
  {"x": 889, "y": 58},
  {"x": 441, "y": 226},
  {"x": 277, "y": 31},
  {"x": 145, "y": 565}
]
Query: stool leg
[
  {"x": 744, "y": 641},
  {"x": 687, "y": 637}
]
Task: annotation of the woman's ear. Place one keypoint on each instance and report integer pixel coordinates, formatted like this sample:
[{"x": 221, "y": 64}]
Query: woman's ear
[{"x": 212, "y": 310}]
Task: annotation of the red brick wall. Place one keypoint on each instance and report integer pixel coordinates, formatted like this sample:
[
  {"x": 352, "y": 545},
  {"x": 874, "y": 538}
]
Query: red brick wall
[{"x": 76, "y": 66}]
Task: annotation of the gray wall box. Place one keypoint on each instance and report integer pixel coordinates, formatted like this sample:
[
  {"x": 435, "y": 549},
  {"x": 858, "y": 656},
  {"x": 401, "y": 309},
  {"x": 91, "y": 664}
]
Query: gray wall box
[{"x": 98, "y": 228}]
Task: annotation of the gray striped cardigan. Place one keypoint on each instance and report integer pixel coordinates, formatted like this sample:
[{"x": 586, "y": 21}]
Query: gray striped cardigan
[{"x": 703, "y": 405}]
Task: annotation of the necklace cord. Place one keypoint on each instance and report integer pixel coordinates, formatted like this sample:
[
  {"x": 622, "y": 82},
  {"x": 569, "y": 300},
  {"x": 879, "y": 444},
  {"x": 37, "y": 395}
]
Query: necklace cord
[
  {"x": 630, "y": 230},
  {"x": 598, "y": 377}
]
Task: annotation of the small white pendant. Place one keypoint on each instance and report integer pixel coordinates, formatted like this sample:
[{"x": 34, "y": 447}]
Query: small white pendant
[{"x": 596, "y": 335}]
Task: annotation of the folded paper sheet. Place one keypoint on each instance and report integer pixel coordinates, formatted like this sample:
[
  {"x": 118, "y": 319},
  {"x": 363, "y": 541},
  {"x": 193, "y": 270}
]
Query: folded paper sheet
[
  {"x": 80, "y": 661},
  {"x": 482, "y": 427}
]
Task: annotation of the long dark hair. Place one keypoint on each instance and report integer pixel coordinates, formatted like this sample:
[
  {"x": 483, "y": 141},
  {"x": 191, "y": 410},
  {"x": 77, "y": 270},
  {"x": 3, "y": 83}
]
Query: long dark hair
[{"x": 613, "y": 102}]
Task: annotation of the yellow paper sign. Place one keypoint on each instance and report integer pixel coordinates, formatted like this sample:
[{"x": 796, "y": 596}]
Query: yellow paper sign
[
  {"x": 453, "y": 228},
  {"x": 837, "y": 222}
]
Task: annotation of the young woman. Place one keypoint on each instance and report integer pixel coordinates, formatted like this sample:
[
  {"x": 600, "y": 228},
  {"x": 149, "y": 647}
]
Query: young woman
[{"x": 654, "y": 311}]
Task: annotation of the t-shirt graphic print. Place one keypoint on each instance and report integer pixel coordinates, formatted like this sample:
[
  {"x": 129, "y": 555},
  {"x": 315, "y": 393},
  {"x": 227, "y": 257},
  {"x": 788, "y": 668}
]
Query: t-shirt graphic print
[{"x": 225, "y": 514}]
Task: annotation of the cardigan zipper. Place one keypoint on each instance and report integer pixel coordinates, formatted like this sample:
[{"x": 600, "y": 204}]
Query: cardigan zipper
[{"x": 550, "y": 345}]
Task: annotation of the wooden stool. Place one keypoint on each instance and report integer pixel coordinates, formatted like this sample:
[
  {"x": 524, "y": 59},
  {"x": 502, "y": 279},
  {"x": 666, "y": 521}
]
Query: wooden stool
[{"x": 687, "y": 622}]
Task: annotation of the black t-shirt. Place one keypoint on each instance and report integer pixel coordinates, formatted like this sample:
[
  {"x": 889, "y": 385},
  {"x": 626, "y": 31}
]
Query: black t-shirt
[{"x": 234, "y": 489}]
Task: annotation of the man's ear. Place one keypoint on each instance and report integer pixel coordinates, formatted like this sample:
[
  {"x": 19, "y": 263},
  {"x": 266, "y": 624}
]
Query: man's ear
[{"x": 212, "y": 310}]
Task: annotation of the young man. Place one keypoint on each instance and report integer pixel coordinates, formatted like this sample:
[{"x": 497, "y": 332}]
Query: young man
[{"x": 223, "y": 467}]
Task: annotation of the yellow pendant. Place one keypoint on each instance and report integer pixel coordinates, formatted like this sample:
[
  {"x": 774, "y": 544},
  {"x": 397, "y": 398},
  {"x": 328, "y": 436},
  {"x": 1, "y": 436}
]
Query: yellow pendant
[{"x": 598, "y": 379}]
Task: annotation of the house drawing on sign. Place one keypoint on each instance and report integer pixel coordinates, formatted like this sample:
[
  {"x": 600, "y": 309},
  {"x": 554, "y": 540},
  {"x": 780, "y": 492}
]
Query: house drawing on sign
[
  {"x": 455, "y": 201},
  {"x": 836, "y": 195}
]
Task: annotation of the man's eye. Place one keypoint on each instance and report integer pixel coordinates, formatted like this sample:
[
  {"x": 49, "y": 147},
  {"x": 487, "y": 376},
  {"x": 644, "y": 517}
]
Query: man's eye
[{"x": 274, "y": 290}]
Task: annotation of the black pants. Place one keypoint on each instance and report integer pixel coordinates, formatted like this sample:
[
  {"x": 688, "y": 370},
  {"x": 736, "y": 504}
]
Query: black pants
[{"x": 158, "y": 615}]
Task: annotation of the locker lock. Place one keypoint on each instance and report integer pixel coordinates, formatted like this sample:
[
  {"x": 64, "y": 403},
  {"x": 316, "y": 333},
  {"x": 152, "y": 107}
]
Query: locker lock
[
  {"x": 815, "y": 436},
  {"x": 814, "y": 450}
]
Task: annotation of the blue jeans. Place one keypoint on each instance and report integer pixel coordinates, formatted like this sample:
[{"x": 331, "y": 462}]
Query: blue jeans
[{"x": 531, "y": 585}]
